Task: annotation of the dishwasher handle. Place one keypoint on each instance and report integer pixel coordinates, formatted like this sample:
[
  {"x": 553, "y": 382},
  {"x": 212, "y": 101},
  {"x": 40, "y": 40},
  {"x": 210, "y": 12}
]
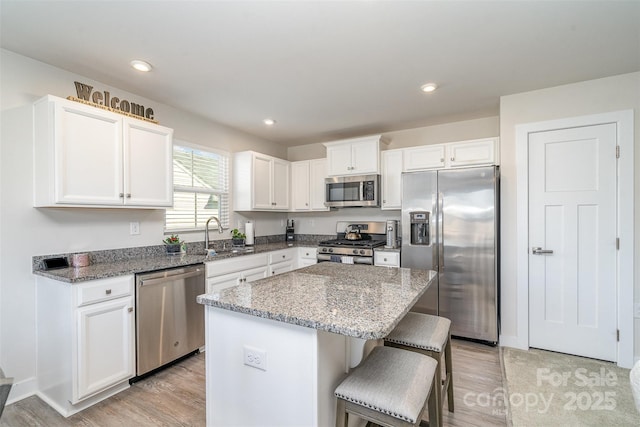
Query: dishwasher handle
[{"x": 164, "y": 279}]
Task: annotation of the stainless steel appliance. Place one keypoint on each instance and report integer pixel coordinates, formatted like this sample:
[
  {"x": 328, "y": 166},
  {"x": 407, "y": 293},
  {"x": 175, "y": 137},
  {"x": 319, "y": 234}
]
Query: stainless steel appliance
[
  {"x": 290, "y": 232},
  {"x": 450, "y": 224},
  {"x": 354, "y": 242},
  {"x": 392, "y": 234},
  {"x": 352, "y": 191},
  {"x": 169, "y": 321}
]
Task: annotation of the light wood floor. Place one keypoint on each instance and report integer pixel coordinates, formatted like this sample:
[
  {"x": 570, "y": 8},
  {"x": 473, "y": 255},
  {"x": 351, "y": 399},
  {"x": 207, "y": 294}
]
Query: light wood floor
[{"x": 175, "y": 397}]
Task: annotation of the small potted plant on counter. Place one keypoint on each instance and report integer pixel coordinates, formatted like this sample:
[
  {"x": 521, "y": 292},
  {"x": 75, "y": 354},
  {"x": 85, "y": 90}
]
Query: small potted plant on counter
[
  {"x": 237, "y": 238},
  {"x": 173, "y": 244}
]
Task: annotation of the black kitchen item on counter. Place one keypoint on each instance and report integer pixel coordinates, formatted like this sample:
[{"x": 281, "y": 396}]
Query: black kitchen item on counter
[
  {"x": 54, "y": 263},
  {"x": 290, "y": 232}
]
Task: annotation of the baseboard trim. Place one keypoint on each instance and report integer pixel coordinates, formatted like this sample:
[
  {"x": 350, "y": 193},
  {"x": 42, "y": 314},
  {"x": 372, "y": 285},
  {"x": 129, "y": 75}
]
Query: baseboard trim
[
  {"x": 512, "y": 341},
  {"x": 22, "y": 390}
]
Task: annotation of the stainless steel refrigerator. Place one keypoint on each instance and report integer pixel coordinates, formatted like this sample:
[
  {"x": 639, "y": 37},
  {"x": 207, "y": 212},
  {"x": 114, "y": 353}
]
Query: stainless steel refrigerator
[{"x": 450, "y": 224}]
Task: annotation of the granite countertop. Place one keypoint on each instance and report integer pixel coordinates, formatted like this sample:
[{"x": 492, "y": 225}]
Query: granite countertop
[
  {"x": 145, "y": 264},
  {"x": 360, "y": 301}
]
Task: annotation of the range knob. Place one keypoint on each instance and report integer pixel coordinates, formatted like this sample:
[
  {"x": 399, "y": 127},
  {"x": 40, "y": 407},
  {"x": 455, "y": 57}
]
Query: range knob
[
  {"x": 355, "y": 251},
  {"x": 330, "y": 249},
  {"x": 361, "y": 251}
]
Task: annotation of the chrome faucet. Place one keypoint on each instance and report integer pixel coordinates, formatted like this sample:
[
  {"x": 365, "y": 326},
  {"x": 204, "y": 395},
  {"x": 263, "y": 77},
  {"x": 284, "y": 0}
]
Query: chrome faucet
[{"x": 206, "y": 231}]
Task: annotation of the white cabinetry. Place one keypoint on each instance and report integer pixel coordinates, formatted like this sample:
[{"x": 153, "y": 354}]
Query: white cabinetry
[
  {"x": 260, "y": 182},
  {"x": 424, "y": 157},
  {"x": 306, "y": 257},
  {"x": 282, "y": 261},
  {"x": 454, "y": 154},
  {"x": 468, "y": 153},
  {"x": 392, "y": 179},
  {"x": 307, "y": 184},
  {"x": 86, "y": 344},
  {"x": 358, "y": 156},
  {"x": 230, "y": 272},
  {"x": 386, "y": 258},
  {"x": 441, "y": 156},
  {"x": 86, "y": 156}
]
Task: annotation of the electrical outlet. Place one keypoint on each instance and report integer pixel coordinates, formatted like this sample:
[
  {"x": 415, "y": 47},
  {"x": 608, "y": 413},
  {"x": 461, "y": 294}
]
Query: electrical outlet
[
  {"x": 134, "y": 228},
  {"x": 255, "y": 357}
]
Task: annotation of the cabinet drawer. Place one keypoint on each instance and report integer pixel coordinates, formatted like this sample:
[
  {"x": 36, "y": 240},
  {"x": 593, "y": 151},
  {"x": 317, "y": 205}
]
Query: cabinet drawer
[
  {"x": 308, "y": 253},
  {"x": 244, "y": 262},
  {"x": 103, "y": 290},
  {"x": 389, "y": 259},
  {"x": 281, "y": 256}
]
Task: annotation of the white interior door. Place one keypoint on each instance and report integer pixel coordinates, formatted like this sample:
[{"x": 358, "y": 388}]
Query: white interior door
[{"x": 572, "y": 222}]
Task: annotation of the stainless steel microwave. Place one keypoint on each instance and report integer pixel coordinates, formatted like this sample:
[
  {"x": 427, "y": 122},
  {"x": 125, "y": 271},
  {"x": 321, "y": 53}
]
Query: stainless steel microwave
[{"x": 352, "y": 191}]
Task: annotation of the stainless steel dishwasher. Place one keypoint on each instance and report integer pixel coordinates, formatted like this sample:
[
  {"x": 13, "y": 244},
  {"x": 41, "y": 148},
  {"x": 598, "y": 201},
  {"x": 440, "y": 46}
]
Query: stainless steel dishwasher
[{"x": 169, "y": 321}]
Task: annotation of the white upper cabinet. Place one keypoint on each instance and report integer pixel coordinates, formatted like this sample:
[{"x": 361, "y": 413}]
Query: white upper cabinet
[
  {"x": 439, "y": 156},
  {"x": 451, "y": 155},
  {"x": 424, "y": 157},
  {"x": 358, "y": 156},
  {"x": 86, "y": 156},
  {"x": 477, "y": 152},
  {"x": 260, "y": 182},
  {"x": 392, "y": 161},
  {"x": 148, "y": 164},
  {"x": 307, "y": 185}
]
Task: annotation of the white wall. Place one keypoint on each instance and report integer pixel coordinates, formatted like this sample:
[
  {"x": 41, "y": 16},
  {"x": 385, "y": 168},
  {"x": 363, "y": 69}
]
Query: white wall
[
  {"x": 27, "y": 231},
  {"x": 595, "y": 96}
]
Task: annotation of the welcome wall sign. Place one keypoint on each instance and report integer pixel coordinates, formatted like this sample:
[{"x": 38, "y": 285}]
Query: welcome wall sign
[{"x": 104, "y": 100}]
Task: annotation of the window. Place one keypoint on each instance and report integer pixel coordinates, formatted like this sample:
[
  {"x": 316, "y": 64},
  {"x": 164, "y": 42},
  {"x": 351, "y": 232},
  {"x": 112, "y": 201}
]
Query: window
[{"x": 200, "y": 188}]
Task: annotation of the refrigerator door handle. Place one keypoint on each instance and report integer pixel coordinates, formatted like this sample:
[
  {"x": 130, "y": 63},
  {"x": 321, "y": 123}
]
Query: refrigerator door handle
[{"x": 441, "y": 231}]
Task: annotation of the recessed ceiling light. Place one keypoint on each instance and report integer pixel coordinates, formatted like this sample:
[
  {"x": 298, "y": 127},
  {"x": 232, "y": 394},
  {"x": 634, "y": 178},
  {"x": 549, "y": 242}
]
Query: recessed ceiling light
[
  {"x": 428, "y": 87},
  {"x": 269, "y": 122},
  {"x": 141, "y": 65}
]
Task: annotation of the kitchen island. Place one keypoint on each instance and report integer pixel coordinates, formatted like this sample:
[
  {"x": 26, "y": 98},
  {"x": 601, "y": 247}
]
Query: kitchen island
[{"x": 278, "y": 347}]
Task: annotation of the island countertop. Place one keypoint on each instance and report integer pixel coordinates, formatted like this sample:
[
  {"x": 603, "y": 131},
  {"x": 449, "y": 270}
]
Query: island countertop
[{"x": 359, "y": 301}]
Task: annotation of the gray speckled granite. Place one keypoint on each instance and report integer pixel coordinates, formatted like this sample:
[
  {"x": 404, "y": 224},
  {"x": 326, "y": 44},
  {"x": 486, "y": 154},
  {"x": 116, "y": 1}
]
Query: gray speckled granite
[
  {"x": 122, "y": 262},
  {"x": 355, "y": 300}
]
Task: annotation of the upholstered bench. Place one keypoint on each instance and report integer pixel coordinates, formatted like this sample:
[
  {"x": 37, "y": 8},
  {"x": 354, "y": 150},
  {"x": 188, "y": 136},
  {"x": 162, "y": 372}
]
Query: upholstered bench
[
  {"x": 391, "y": 387},
  {"x": 429, "y": 335}
]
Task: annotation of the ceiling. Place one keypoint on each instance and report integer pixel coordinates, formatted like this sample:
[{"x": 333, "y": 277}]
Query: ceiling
[{"x": 327, "y": 70}]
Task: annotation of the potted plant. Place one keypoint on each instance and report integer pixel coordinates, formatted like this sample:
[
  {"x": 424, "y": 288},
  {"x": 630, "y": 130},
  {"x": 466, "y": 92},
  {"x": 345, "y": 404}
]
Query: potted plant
[
  {"x": 173, "y": 244},
  {"x": 237, "y": 238}
]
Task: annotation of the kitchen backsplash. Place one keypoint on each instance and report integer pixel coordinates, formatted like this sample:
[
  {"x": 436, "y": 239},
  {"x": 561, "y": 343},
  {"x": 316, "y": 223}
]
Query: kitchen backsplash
[{"x": 123, "y": 254}]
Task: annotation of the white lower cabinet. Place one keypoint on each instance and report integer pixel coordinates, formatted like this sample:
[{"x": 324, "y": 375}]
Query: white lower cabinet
[
  {"x": 282, "y": 261},
  {"x": 230, "y": 272},
  {"x": 386, "y": 258},
  {"x": 105, "y": 345},
  {"x": 306, "y": 257},
  {"x": 86, "y": 344}
]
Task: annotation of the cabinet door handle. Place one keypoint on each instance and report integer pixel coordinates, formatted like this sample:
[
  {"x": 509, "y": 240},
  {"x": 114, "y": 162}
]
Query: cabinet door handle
[
  {"x": 540, "y": 251},
  {"x": 108, "y": 292},
  {"x": 128, "y": 195},
  {"x": 453, "y": 159},
  {"x": 121, "y": 195},
  {"x": 441, "y": 159},
  {"x": 130, "y": 309}
]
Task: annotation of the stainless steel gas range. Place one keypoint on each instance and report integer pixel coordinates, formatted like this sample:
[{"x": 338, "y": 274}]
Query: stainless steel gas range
[{"x": 354, "y": 242}]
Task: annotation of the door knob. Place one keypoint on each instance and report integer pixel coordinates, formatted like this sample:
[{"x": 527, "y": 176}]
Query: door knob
[{"x": 540, "y": 251}]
